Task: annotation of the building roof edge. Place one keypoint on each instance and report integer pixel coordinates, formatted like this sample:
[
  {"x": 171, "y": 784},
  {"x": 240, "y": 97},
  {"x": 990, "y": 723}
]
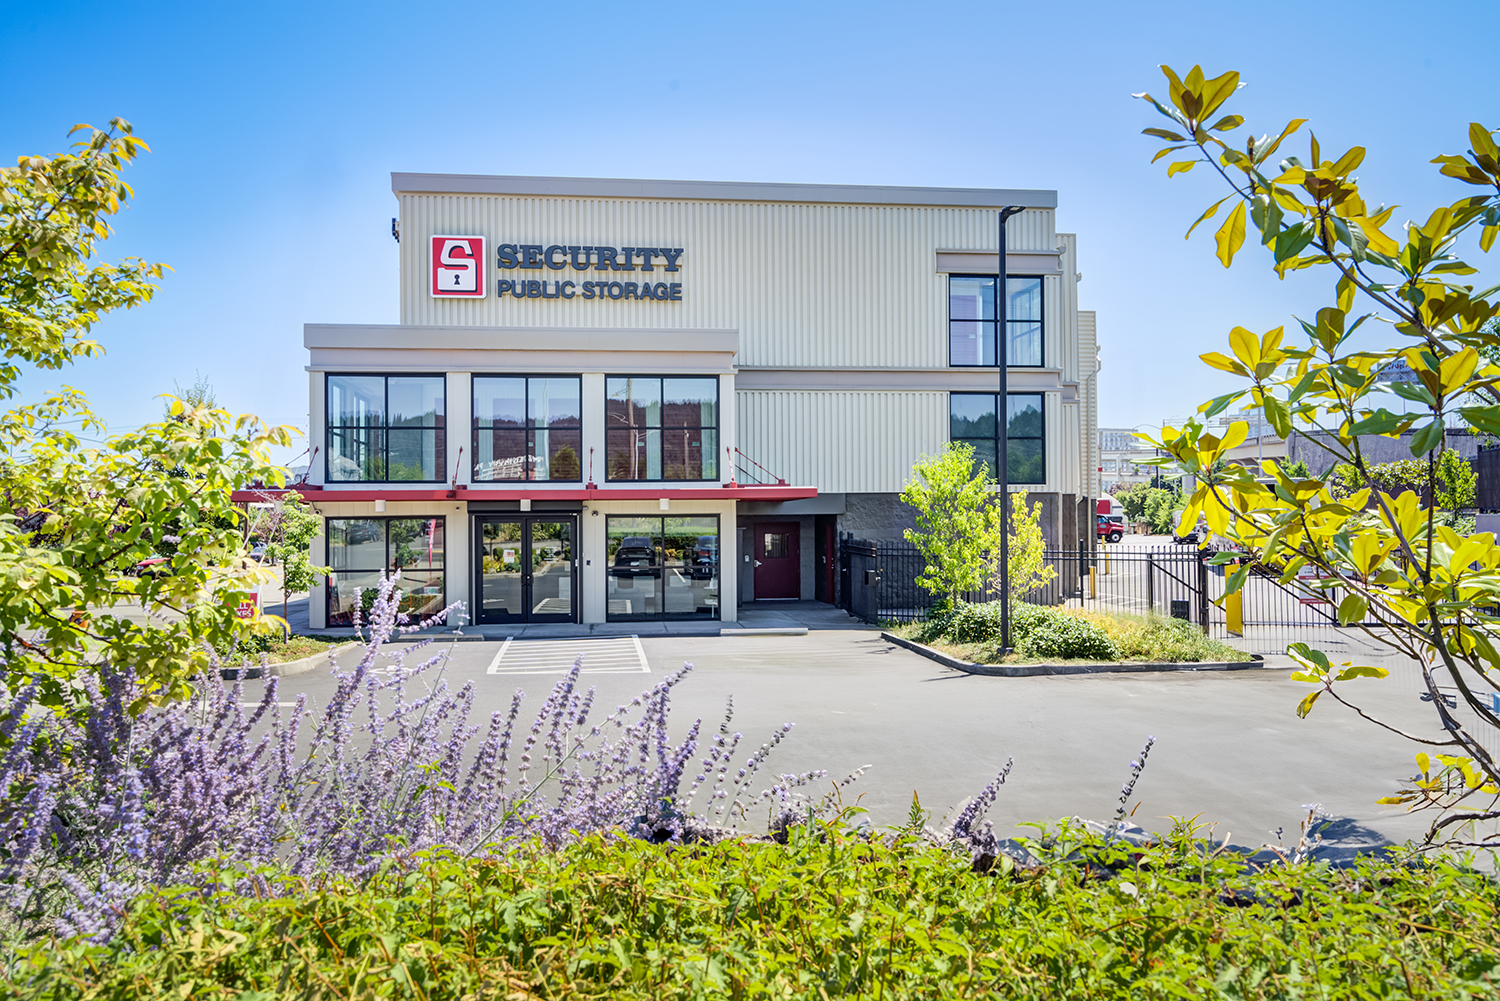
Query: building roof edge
[{"x": 737, "y": 191}]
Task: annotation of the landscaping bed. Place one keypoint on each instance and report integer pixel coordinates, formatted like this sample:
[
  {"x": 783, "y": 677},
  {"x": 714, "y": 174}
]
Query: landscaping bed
[
  {"x": 1066, "y": 637},
  {"x": 282, "y": 651}
]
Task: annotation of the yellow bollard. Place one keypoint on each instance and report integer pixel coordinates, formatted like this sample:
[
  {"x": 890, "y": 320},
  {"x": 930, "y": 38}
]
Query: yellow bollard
[
  {"x": 1093, "y": 582},
  {"x": 1106, "y": 561},
  {"x": 1234, "y": 606}
]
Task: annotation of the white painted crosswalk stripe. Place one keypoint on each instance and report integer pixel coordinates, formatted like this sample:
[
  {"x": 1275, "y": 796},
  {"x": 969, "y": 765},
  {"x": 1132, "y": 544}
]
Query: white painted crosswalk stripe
[{"x": 615, "y": 655}]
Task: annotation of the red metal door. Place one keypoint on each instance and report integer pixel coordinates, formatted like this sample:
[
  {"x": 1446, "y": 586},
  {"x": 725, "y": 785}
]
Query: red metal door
[{"x": 778, "y": 560}]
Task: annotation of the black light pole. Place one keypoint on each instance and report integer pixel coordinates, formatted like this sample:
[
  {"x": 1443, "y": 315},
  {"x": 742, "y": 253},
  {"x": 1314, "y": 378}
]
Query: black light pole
[{"x": 1002, "y": 422}]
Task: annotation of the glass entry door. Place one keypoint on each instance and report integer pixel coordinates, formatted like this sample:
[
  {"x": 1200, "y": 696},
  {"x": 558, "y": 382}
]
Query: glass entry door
[{"x": 527, "y": 570}]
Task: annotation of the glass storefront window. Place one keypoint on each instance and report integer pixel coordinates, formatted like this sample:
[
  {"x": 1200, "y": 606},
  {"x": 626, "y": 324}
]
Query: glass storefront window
[
  {"x": 661, "y": 428},
  {"x": 662, "y": 568},
  {"x": 385, "y": 428},
  {"x": 528, "y": 428},
  {"x": 360, "y": 549}
]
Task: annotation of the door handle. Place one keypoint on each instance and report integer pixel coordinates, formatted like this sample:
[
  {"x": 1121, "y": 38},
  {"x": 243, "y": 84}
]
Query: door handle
[{"x": 757, "y": 562}]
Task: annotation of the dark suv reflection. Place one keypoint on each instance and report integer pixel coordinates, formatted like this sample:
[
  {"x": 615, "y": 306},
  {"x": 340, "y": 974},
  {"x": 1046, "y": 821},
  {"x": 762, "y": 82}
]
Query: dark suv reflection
[
  {"x": 634, "y": 558},
  {"x": 705, "y": 561}
]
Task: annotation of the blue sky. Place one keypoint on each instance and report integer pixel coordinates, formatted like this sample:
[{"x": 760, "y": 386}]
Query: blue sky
[{"x": 274, "y": 128}]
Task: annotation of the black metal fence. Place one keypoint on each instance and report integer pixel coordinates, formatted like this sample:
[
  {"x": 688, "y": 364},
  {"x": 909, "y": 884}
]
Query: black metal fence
[{"x": 878, "y": 583}]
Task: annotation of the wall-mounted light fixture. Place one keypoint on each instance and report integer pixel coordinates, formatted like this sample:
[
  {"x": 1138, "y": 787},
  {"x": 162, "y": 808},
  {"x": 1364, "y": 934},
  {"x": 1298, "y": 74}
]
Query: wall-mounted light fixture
[
  {"x": 525, "y": 503},
  {"x": 665, "y": 503},
  {"x": 380, "y": 505}
]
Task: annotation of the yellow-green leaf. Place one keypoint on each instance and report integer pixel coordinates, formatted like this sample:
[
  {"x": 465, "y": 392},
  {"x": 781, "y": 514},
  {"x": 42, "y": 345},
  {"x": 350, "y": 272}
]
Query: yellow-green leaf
[
  {"x": 1352, "y": 609},
  {"x": 1181, "y": 167},
  {"x": 1480, "y": 141},
  {"x": 1349, "y": 161},
  {"x": 1224, "y": 362},
  {"x": 1305, "y": 706},
  {"x": 1207, "y": 214},
  {"x": 1245, "y": 345},
  {"x": 1346, "y": 290},
  {"x": 1231, "y": 236}
]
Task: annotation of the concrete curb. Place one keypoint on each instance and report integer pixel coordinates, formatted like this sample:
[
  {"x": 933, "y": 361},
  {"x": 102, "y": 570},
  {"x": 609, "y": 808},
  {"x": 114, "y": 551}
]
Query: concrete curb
[
  {"x": 766, "y": 631},
  {"x": 1037, "y": 670},
  {"x": 292, "y": 668}
]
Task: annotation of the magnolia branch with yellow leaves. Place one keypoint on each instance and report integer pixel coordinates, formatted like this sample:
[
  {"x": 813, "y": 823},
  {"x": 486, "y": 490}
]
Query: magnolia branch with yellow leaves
[{"x": 1406, "y": 576}]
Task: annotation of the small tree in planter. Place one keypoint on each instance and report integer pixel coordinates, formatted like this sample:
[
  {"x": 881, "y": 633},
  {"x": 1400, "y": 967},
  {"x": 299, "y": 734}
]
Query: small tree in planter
[
  {"x": 1027, "y": 551},
  {"x": 958, "y": 523},
  {"x": 292, "y": 528}
]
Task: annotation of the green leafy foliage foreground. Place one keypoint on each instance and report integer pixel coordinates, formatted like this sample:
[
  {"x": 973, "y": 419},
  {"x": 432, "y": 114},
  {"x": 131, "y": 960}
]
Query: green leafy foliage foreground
[{"x": 830, "y": 914}]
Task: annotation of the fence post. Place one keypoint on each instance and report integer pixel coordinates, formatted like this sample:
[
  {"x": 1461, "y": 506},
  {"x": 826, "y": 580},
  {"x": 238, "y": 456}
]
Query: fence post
[
  {"x": 1082, "y": 567},
  {"x": 1203, "y": 591},
  {"x": 1150, "y": 582},
  {"x": 1234, "y": 605}
]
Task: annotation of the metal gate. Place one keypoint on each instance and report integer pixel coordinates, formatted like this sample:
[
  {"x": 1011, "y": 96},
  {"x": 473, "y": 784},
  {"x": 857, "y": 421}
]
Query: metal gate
[{"x": 878, "y": 584}]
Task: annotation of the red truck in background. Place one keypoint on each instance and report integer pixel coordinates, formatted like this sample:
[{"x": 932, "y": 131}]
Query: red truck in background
[{"x": 1109, "y": 520}]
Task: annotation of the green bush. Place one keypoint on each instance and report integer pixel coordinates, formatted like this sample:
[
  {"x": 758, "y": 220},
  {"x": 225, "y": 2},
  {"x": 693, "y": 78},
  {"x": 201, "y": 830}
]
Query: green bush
[
  {"x": 980, "y": 623},
  {"x": 1065, "y": 636},
  {"x": 974, "y": 623},
  {"x": 833, "y": 915}
]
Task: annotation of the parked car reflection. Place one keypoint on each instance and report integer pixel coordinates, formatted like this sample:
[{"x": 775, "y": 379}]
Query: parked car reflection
[{"x": 635, "y": 558}]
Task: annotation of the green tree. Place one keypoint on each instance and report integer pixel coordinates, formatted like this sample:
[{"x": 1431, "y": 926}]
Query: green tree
[
  {"x": 958, "y": 524},
  {"x": 1160, "y": 509},
  {"x": 1134, "y": 501},
  {"x": 1026, "y": 552},
  {"x": 53, "y": 214},
  {"x": 1456, "y": 485},
  {"x": 1296, "y": 469},
  {"x": 199, "y": 394},
  {"x": 293, "y": 526},
  {"x": 77, "y": 519},
  {"x": 1429, "y": 591}
]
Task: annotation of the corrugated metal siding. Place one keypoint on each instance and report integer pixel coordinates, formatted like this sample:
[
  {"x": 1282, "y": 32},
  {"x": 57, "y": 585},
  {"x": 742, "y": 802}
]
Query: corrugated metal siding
[
  {"x": 1065, "y": 309},
  {"x": 841, "y": 441},
  {"x": 1088, "y": 360},
  {"x": 866, "y": 442},
  {"x": 805, "y": 284},
  {"x": 1067, "y": 449}
]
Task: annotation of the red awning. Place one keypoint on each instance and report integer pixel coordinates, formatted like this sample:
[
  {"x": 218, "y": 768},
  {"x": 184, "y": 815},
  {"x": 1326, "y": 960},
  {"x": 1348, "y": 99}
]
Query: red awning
[{"x": 739, "y": 492}]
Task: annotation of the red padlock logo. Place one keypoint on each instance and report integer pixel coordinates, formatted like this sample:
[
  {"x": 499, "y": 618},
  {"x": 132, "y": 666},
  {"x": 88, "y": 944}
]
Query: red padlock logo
[{"x": 458, "y": 267}]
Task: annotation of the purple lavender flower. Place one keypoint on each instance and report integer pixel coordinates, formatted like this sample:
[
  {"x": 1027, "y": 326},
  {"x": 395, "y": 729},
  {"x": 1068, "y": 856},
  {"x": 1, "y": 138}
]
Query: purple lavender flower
[{"x": 380, "y": 771}]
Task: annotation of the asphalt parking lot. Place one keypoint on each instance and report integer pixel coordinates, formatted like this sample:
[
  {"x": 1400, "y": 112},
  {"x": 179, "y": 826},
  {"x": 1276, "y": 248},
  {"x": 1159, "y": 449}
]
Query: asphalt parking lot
[{"x": 1229, "y": 745}]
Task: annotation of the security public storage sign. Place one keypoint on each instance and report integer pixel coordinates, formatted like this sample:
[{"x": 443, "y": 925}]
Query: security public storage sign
[{"x": 458, "y": 267}]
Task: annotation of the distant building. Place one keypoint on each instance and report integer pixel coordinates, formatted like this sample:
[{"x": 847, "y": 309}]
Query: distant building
[
  {"x": 1120, "y": 452},
  {"x": 1119, "y": 440}
]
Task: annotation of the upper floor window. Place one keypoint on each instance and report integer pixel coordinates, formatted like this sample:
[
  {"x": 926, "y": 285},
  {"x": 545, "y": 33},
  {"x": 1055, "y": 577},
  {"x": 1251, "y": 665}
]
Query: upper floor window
[
  {"x": 528, "y": 428},
  {"x": 661, "y": 428},
  {"x": 971, "y": 320},
  {"x": 385, "y": 428},
  {"x": 972, "y": 421}
]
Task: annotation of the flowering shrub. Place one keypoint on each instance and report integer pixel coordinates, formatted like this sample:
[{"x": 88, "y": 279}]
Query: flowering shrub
[{"x": 102, "y": 803}]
